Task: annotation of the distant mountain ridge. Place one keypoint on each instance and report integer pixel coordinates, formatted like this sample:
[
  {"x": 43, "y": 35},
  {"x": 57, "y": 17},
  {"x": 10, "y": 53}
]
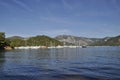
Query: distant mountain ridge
[
  {"x": 114, "y": 41},
  {"x": 75, "y": 40},
  {"x": 15, "y": 37},
  {"x": 110, "y": 41}
]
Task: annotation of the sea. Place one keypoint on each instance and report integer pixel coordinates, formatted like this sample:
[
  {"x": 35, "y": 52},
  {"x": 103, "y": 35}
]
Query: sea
[{"x": 90, "y": 63}]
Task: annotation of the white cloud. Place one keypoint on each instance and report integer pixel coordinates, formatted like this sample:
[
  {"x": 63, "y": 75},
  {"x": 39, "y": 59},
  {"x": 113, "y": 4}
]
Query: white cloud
[{"x": 23, "y": 5}]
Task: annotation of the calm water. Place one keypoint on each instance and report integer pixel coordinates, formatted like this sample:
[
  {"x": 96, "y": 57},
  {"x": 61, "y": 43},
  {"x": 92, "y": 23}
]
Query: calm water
[{"x": 92, "y": 63}]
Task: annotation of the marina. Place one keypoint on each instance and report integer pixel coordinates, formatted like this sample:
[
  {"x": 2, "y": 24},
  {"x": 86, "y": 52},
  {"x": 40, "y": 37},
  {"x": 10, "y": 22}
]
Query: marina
[{"x": 44, "y": 47}]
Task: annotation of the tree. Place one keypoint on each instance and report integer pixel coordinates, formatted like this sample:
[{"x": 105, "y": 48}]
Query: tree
[
  {"x": 43, "y": 41},
  {"x": 2, "y": 40},
  {"x": 17, "y": 42}
]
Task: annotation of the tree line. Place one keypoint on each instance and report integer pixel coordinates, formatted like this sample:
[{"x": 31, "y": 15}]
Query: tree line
[
  {"x": 35, "y": 41},
  {"x": 3, "y": 41},
  {"x": 40, "y": 40}
]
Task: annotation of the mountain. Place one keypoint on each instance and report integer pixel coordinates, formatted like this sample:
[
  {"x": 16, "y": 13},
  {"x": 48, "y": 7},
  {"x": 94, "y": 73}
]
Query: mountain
[
  {"x": 108, "y": 41},
  {"x": 74, "y": 40},
  {"x": 114, "y": 41},
  {"x": 66, "y": 40},
  {"x": 40, "y": 40},
  {"x": 15, "y": 37},
  {"x": 43, "y": 41}
]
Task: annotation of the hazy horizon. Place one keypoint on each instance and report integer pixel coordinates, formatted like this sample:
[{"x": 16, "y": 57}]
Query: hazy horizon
[
  {"x": 86, "y": 18},
  {"x": 56, "y": 36}
]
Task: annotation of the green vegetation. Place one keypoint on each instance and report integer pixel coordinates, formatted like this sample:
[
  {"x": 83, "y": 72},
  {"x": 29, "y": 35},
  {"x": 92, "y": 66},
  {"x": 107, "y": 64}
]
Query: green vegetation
[
  {"x": 43, "y": 40},
  {"x": 17, "y": 42},
  {"x": 35, "y": 41},
  {"x": 3, "y": 41},
  {"x": 32, "y": 41},
  {"x": 114, "y": 41}
]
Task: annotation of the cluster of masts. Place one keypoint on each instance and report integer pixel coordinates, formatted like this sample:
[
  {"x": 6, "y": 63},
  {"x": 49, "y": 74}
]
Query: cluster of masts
[
  {"x": 52, "y": 46},
  {"x": 45, "y": 47}
]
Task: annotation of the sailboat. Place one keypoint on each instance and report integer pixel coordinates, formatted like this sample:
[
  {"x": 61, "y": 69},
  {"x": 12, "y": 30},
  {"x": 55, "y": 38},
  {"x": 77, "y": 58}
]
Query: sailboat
[{"x": 84, "y": 46}]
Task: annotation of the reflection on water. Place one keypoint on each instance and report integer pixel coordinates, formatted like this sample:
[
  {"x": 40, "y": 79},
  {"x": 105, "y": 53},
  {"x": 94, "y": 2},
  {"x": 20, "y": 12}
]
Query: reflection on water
[
  {"x": 101, "y": 63},
  {"x": 2, "y": 57}
]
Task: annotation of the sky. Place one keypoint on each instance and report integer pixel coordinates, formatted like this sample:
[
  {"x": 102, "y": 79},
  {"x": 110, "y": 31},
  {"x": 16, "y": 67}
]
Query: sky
[{"x": 85, "y": 18}]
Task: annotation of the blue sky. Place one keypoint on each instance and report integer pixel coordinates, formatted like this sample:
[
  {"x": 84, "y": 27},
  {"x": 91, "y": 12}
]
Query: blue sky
[{"x": 86, "y": 18}]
